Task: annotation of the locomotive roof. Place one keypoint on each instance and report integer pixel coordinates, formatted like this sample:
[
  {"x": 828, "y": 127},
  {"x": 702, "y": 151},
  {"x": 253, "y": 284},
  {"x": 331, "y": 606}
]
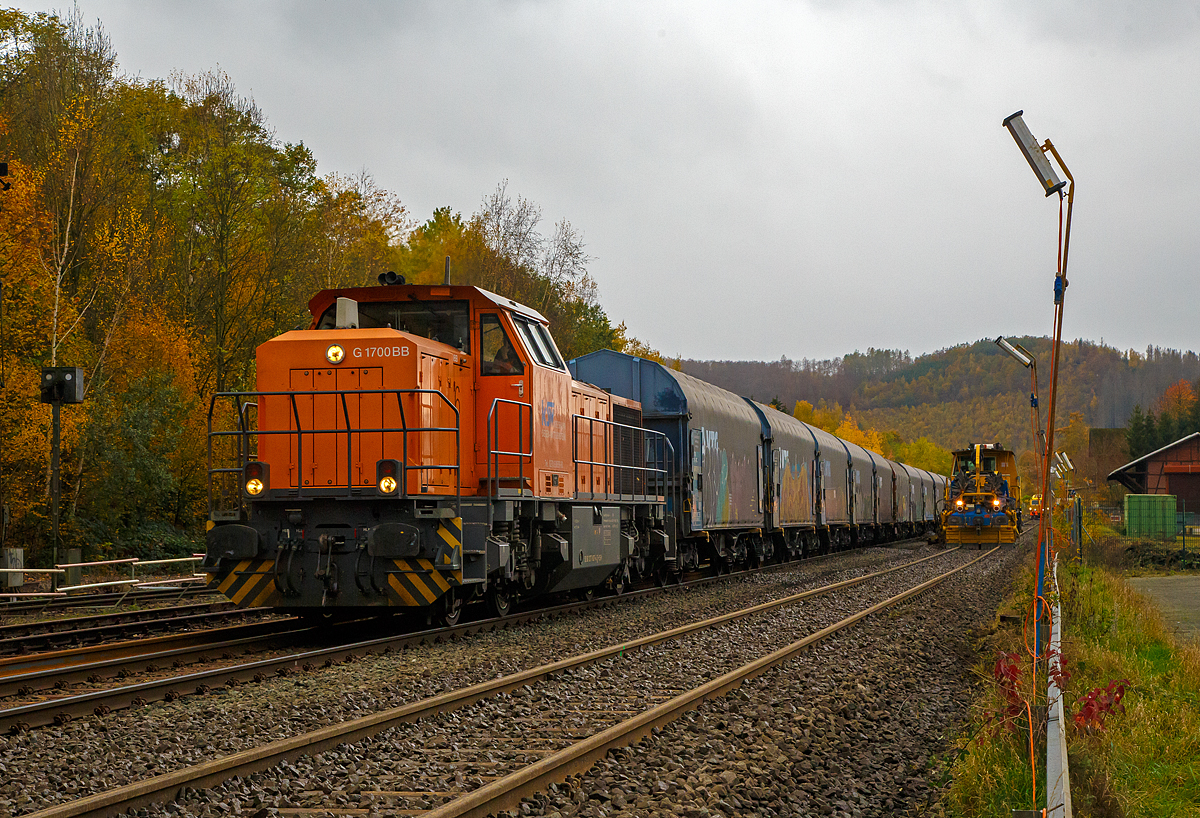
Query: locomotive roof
[
  {"x": 987, "y": 447},
  {"x": 417, "y": 292}
]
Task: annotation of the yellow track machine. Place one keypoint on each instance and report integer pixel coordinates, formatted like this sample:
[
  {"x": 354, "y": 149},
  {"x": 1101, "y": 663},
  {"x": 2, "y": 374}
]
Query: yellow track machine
[{"x": 983, "y": 504}]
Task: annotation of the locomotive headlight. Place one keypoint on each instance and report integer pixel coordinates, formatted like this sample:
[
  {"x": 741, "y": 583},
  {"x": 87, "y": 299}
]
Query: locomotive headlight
[
  {"x": 256, "y": 476},
  {"x": 958, "y": 503},
  {"x": 996, "y": 502},
  {"x": 335, "y": 354},
  {"x": 386, "y": 473}
]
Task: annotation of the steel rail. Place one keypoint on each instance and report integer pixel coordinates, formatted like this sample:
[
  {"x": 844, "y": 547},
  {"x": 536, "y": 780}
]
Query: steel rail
[
  {"x": 209, "y": 774},
  {"x": 64, "y": 708},
  {"x": 52, "y": 626},
  {"x": 93, "y": 656},
  {"x": 507, "y": 792},
  {"x": 97, "y": 600},
  {"x": 46, "y": 682},
  {"x": 108, "y": 626}
]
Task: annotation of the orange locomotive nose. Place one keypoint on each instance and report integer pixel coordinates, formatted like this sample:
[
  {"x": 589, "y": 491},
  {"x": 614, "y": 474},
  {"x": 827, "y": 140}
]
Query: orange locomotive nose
[{"x": 327, "y": 426}]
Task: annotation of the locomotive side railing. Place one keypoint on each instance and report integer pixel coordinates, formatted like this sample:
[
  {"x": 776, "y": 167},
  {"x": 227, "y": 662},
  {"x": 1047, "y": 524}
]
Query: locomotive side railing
[
  {"x": 650, "y": 481},
  {"x": 494, "y": 478},
  {"x": 245, "y": 438}
]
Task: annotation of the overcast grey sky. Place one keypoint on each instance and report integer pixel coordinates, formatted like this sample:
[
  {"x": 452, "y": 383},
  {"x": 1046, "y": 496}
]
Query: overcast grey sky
[{"x": 758, "y": 179}]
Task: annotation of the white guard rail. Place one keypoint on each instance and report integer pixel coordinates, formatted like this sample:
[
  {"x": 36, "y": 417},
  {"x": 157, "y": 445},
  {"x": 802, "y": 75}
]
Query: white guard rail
[{"x": 1058, "y": 782}]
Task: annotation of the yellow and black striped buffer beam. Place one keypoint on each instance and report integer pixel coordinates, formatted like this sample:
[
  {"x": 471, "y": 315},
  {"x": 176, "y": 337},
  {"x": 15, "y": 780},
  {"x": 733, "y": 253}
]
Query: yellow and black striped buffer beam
[
  {"x": 250, "y": 584},
  {"x": 420, "y": 582},
  {"x": 449, "y": 553}
]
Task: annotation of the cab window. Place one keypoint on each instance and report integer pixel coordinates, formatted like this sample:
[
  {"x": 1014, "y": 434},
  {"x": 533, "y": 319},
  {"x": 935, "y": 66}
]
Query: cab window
[
  {"x": 539, "y": 343},
  {"x": 447, "y": 322},
  {"x": 497, "y": 356}
]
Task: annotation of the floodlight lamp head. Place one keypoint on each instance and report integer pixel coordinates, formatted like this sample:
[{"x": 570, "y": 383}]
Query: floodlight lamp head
[
  {"x": 1033, "y": 154},
  {"x": 1021, "y": 355},
  {"x": 1067, "y": 461}
]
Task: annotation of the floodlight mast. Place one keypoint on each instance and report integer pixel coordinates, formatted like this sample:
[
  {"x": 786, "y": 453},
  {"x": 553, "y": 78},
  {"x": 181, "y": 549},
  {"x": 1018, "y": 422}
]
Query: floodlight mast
[
  {"x": 1027, "y": 360},
  {"x": 1023, "y": 358},
  {"x": 1036, "y": 156}
]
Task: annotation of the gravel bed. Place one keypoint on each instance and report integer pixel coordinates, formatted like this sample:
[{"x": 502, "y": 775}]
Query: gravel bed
[
  {"x": 856, "y": 726},
  {"x": 57, "y": 764},
  {"x": 498, "y": 735}
]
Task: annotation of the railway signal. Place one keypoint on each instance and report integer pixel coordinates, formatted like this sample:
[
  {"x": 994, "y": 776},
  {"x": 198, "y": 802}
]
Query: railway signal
[{"x": 59, "y": 385}]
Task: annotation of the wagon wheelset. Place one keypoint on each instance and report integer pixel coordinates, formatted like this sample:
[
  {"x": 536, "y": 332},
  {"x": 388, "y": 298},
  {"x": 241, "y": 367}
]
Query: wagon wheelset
[
  {"x": 499, "y": 599},
  {"x": 450, "y": 608},
  {"x": 664, "y": 576}
]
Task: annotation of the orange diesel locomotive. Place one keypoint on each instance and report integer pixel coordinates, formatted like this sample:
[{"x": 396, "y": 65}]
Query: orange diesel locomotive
[{"x": 421, "y": 446}]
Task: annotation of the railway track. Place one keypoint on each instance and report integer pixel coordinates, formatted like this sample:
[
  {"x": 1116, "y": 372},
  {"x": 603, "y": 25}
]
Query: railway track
[
  {"x": 31, "y": 607},
  {"x": 541, "y": 724},
  {"x": 79, "y": 631},
  {"x": 55, "y": 688}
]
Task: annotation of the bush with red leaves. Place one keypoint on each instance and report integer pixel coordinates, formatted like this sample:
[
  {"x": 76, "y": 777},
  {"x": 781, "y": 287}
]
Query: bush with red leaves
[
  {"x": 1099, "y": 703},
  {"x": 1007, "y": 674}
]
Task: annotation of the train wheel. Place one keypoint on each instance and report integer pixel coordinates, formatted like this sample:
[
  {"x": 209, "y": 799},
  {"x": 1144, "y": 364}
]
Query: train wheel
[
  {"x": 620, "y": 581},
  {"x": 499, "y": 600},
  {"x": 451, "y": 605}
]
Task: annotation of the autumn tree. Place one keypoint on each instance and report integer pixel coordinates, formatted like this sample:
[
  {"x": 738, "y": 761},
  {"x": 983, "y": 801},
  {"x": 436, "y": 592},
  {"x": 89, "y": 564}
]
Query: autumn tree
[
  {"x": 1177, "y": 400},
  {"x": 501, "y": 248},
  {"x": 849, "y": 430},
  {"x": 155, "y": 234},
  {"x": 236, "y": 201},
  {"x": 922, "y": 453},
  {"x": 359, "y": 230}
]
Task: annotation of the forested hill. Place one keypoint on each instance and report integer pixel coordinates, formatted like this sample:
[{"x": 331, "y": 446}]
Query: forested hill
[{"x": 970, "y": 391}]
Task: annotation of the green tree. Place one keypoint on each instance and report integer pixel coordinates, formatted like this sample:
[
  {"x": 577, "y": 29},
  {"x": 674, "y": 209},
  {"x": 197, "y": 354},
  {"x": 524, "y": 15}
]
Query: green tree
[
  {"x": 237, "y": 206},
  {"x": 1136, "y": 433},
  {"x": 135, "y": 434}
]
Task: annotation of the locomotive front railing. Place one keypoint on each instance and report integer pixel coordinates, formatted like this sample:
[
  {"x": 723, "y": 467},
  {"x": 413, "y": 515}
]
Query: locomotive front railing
[{"x": 245, "y": 439}]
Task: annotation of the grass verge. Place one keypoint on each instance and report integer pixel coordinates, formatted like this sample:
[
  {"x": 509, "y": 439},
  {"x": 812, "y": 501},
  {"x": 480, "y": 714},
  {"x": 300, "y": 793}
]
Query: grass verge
[{"x": 1139, "y": 756}]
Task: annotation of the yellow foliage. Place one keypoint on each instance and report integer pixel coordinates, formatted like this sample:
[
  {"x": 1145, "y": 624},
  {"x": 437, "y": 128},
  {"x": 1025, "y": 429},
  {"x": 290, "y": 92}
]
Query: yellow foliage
[
  {"x": 623, "y": 342},
  {"x": 867, "y": 438}
]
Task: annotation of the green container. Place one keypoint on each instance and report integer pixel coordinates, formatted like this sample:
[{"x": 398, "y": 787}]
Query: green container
[{"x": 1150, "y": 516}]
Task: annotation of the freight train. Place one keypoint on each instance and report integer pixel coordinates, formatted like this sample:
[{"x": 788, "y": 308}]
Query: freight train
[{"x": 422, "y": 447}]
